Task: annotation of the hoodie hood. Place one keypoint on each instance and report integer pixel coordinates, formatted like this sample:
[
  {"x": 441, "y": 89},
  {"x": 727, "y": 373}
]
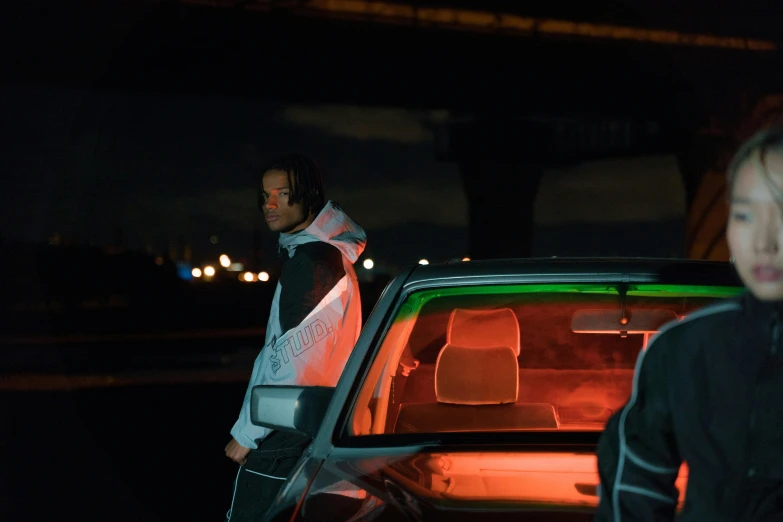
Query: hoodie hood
[{"x": 332, "y": 225}]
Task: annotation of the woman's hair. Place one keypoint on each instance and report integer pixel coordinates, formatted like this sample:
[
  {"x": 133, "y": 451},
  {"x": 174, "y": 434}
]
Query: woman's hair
[
  {"x": 304, "y": 179},
  {"x": 757, "y": 146}
]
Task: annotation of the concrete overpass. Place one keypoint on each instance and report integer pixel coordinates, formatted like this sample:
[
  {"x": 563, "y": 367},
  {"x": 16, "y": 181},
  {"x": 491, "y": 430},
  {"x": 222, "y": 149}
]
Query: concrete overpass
[{"x": 529, "y": 87}]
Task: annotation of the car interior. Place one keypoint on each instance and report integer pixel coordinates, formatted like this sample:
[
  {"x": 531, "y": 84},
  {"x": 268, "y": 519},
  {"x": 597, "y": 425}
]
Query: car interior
[{"x": 508, "y": 363}]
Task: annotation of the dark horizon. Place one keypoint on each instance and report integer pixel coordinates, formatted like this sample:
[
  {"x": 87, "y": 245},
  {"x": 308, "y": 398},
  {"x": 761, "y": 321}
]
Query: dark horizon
[{"x": 165, "y": 174}]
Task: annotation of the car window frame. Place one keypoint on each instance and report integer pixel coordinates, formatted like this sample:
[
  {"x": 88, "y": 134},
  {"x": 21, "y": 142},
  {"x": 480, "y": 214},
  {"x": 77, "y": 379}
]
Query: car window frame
[{"x": 341, "y": 434}]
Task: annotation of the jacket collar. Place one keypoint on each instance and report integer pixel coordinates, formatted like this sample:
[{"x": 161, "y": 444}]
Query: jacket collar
[{"x": 761, "y": 310}]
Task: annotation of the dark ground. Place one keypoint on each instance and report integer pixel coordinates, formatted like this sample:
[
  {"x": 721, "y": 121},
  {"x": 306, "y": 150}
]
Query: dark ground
[
  {"x": 117, "y": 415},
  {"x": 130, "y": 453}
]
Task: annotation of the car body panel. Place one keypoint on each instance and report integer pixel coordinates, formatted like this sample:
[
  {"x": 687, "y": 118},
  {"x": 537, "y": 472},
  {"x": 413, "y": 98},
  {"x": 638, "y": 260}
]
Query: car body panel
[{"x": 469, "y": 476}]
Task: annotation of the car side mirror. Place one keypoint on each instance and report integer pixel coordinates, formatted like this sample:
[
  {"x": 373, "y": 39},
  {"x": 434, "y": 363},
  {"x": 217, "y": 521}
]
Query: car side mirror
[{"x": 295, "y": 409}]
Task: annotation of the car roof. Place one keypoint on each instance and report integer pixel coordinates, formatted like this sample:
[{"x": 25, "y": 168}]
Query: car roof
[{"x": 672, "y": 271}]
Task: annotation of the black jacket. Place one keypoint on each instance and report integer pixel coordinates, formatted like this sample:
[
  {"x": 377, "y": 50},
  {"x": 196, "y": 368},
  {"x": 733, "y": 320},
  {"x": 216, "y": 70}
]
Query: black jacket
[{"x": 707, "y": 391}]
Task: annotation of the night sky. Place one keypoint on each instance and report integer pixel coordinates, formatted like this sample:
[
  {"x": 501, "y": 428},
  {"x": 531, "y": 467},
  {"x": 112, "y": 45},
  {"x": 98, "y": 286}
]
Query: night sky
[
  {"x": 161, "y": 171},
  {"x": 151, "y": 172}
]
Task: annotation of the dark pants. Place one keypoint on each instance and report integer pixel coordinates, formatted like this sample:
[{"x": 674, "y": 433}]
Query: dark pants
[{"x": 261, "y": 477}]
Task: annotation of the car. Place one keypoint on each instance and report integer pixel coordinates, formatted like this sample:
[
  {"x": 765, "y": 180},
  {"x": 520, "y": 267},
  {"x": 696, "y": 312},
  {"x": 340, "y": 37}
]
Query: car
[{"x": 478, "y": 390}]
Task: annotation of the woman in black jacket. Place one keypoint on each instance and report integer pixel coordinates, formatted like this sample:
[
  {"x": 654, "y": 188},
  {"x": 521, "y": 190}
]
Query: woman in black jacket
[{"x": 709, "y": 390}]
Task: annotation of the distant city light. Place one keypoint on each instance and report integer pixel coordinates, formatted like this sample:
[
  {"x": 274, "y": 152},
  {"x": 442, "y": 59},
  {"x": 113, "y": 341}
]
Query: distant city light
[
  {"x": 236, "y": 267},
  {"x": 423, "y": 262},
  {"x": 209, "y": 271},
  {"x": 466, "y": 259},
  {"x": 225, "y": 261},
  {"x": 263, "y": 276},
  {"x": 196, "y": 272},
  {"x": 247, "y": 276},
  {"x": 184, "y": 270},
  {"x": 213, "y": 240},
  {"x": 368, "y": 264}
]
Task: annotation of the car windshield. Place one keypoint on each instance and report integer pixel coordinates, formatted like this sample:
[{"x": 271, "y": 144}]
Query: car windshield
[{"x": 515, "y": 357}]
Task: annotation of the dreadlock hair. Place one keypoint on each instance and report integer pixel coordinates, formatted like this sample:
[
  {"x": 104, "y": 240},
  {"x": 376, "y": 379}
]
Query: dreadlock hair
[
  {"x": 304, "y": 179},
  {"x": 756, "y": 148}
]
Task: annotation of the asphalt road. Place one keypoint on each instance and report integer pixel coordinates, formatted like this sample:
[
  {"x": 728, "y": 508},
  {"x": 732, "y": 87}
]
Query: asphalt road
[{"x": 144, "y": 445}]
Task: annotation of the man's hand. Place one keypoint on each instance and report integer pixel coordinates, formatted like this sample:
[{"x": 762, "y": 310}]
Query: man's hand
[{"x": 236, "y": 452}]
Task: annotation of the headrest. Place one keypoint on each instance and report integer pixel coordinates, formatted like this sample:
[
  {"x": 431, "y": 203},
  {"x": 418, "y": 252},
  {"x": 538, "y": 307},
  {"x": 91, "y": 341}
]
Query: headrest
[
  {"x": 484, "y": 328},
  {"x": 464, "y": 375}
]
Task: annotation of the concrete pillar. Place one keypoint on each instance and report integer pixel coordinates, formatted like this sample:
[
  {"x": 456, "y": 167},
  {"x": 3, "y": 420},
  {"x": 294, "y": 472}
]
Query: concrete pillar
[
  {"x": 703, "y": 161},
  {"x": 501, "y": 196},
  {"x": 498, "y": 158}
]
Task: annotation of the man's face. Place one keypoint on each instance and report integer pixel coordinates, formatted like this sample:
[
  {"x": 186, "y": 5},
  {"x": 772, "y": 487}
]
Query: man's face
[
  {"x": 279, "y": 215},
  {"x": 755, "y": 228}
]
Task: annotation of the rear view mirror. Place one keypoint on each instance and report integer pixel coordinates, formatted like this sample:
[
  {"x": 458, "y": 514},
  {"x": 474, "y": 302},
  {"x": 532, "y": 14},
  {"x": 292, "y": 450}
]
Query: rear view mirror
[
  {"x": 611, "y": 321},
  {"x": 295, "y": 409}
]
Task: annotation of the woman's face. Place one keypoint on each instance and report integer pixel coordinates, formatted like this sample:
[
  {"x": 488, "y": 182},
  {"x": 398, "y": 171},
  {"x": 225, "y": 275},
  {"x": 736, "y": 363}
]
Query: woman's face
[{"x": 755, "y": 228}]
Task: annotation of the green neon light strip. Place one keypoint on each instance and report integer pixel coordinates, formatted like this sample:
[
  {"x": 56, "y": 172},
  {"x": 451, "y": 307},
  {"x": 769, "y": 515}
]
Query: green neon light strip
[
  {"x": 685, "y": 291},
  {"x": 416, "y": 302}
]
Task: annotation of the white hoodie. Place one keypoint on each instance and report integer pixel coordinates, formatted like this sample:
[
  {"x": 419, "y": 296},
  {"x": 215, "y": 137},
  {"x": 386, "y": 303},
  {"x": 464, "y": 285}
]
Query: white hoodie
[{"x": 314, "y": 352}]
